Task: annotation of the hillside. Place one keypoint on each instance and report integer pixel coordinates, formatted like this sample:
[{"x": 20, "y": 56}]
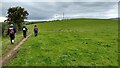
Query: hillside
[{"x": 76, "y": 42}]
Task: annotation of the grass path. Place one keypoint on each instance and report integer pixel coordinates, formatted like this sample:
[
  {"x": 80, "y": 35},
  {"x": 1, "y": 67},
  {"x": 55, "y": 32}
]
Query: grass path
[{"x": 12, "y": 52}]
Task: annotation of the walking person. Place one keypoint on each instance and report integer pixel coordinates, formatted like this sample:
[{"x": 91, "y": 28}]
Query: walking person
[
  {"x": 11, "y": 33},
  {"x": 24, "y": 29},
  {"x": 35, "y": 30}
]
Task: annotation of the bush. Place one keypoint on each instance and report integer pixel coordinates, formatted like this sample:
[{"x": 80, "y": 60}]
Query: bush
[{"x": 4, "y": 29}]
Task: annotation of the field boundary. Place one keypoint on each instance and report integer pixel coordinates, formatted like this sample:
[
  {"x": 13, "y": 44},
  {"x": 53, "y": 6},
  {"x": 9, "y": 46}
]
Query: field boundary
[{"x": 11, "y": 53}]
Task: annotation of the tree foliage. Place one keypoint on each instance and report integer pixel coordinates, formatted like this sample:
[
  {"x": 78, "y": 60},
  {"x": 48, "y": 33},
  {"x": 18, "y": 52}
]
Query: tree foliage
[{"x": 16, "y": 15}]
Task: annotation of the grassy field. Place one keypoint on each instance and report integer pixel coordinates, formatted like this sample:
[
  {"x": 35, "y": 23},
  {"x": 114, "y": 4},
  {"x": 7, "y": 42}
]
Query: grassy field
[
  {"x": 0, "y": 41},
  {"x": 77, "y": 42},
  {"x": 6, "y": 45}
]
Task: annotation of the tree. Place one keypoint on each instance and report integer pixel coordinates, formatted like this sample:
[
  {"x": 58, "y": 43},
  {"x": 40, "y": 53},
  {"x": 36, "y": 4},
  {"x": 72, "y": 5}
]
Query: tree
[{"x": 16, "y": 15}]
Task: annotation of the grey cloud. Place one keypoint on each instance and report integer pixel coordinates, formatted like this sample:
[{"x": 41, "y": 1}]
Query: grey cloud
[
  {"x": 47, "y": 10},
  {"x": 60, "y": 0}
]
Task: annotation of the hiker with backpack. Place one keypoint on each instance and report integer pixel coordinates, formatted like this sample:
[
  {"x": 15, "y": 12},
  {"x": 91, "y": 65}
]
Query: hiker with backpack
[
  {"x": 35, "y": 30},
  {"x": 24, "y": 29},
  {"x": 11, "y": 33}
]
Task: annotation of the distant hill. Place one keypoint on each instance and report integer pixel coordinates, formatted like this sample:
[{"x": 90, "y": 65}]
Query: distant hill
[{"x": 115, "y": 18}]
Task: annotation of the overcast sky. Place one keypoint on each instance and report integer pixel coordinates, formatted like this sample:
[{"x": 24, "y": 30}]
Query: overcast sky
[{"x": 73, "y": 9}]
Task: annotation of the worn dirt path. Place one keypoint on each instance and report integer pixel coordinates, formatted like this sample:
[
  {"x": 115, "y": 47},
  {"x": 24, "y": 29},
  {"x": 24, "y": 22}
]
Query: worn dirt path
[{"x": 12, "y": 52}]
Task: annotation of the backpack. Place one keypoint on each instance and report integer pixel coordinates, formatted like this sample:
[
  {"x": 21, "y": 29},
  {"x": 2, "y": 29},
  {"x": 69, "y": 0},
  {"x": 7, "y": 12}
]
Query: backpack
[
  {"x": 36, "y": 29},
  {"x": 24, "y": 29},
  {"x": 11, "y": 31}
]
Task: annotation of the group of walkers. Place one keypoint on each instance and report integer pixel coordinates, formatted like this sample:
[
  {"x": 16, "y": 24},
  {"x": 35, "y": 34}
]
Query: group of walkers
[{"x": 12, "y": 32}]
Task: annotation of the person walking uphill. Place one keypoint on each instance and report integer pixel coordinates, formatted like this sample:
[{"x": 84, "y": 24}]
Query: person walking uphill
[
  {"x": 35, "y": 30},
  {"x": 11, "y": 33},
  {"x": 24, "y": 29}
]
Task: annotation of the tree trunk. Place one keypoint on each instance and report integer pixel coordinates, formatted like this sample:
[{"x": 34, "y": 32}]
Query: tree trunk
[{"x": 19, "y": 27}]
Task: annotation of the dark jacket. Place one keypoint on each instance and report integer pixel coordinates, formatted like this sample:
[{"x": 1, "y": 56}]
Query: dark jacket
[
  {"x": 24, "y": 29},
  {"x": 35, "y": 29},
  {"x": 11, "y": 27}
]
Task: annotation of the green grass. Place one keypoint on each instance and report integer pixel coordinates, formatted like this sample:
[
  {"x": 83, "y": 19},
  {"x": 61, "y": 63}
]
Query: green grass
[
  {"x": 0, "y": 47},
  {"x": 6, "y": 45},
  {"x": 77, "y": 42},
  {"x": 0, "y": 40}
]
